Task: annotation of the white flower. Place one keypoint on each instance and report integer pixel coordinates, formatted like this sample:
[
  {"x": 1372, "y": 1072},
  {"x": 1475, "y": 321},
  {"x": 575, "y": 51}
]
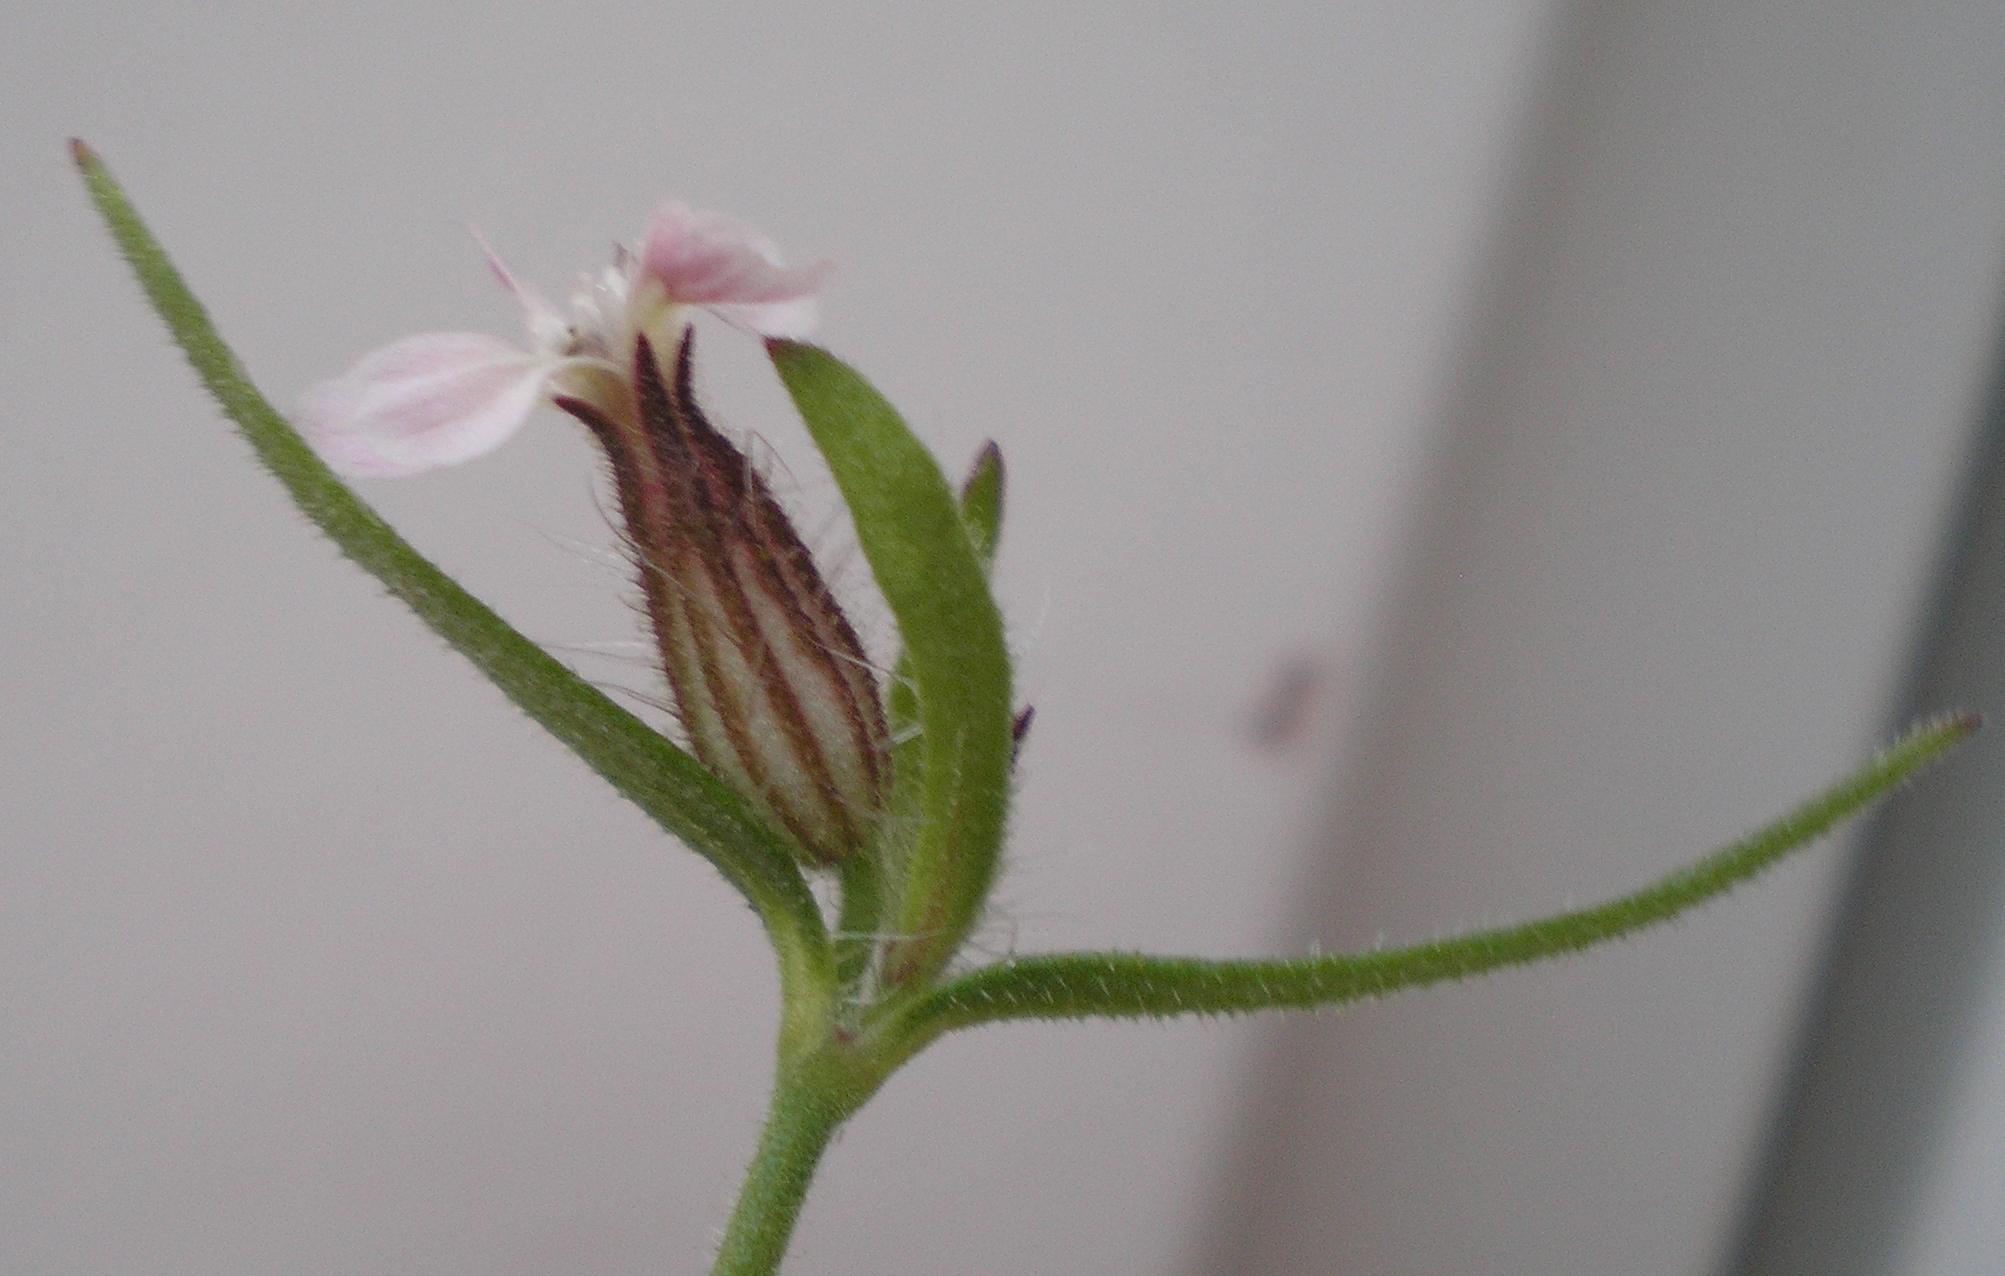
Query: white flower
[{"x": 442, "y": 398}]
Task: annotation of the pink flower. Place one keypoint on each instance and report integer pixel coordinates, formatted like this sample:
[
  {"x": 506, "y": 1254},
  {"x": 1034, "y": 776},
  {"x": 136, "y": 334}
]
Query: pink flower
[{"x": 442, "y": 398}]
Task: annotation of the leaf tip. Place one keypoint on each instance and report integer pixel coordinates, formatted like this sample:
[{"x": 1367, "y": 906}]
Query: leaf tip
[
  {"x": 1934, "y": 738},
  {"x": 1949, "y": 728},
  {"x": 982, "y": 501},
  {"x": 82, "y": 155},
  {"x": 988, "y": 467},
  {"x": 1019, "y": 728}
]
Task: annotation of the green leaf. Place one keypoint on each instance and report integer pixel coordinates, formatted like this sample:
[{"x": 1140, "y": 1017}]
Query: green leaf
[
  {"x": 1134, "y": 985},
  {"x": 672, "y": 787},
  {"x": 925, "y": 561},
  {"x": 982, "y": 503},
  {"x": 864, "y": 877},
  {"x": 981, "y": 511}
]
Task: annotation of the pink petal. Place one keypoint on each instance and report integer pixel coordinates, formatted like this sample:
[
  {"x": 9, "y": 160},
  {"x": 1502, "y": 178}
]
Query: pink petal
[
  {"x": 707, "y": 259},
  {"x": 794, "y": 320},
  {"x": 423, "y": 402},
  {"x": 544, "y": 321}
]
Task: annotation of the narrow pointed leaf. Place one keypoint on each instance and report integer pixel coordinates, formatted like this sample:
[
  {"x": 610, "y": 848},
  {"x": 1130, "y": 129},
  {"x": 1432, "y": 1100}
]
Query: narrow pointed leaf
[
  {"x": 982, "y": 503},
  {"x": 863, "y": 887},
  {"x": 673, "y": 788},
  {"x": 919, "y": 549},
  {"x": 1134, "y": 985},
  {"x": 982, "y": 512}
]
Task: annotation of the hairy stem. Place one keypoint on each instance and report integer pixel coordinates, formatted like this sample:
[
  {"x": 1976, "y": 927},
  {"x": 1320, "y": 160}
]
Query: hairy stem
[
  {"x": 804, "y": 1115},
  {"x": 1133, "y": 985},
  {"x": 861, "y": 914}
]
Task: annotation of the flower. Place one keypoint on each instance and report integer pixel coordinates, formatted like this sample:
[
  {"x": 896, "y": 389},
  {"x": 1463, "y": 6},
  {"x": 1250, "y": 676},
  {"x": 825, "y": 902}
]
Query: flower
[
  {"x": 767, "y": 676},
  {"x": 442, "y": 398}
]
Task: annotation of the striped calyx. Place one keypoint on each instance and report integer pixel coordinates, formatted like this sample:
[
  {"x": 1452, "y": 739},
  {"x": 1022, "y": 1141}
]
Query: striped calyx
[{"x": 767, "y": 675}]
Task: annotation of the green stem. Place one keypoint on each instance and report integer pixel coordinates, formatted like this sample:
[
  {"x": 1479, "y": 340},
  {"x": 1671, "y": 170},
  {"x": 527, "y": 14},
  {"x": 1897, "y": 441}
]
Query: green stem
[
  {"x": 1135, "y": 985},
  {"x": 856, "y": 925},
  {"x": 803, "y": 1117}
]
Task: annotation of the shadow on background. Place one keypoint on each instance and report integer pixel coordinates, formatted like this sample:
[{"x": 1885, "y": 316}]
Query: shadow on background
[{"x": 1914, "y": 950}]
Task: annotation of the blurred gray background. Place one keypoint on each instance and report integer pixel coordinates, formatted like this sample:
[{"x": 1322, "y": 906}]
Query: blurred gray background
[{"x": 1589, "y": 391}]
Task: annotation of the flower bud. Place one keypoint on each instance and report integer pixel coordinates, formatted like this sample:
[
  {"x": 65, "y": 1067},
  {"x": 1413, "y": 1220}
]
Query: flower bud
[{"x": 768, "y": 677}]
